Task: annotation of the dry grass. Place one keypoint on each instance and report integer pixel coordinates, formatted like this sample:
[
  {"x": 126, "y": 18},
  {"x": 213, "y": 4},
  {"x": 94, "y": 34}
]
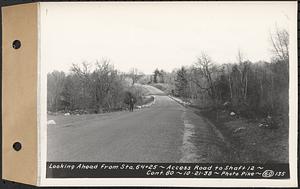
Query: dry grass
[{"x": 250, "y": 143}]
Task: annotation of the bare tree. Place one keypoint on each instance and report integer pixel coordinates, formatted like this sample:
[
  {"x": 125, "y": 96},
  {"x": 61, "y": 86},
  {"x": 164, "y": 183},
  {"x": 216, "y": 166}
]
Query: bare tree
[
  {"x": 205, "y": 69},
  {"x": 135, "y": 75},
  {"x": 56, "y": 81},
  {"x": 82, "y": 72},
  {"x": 280, "y": 43},
  {"x": 240, "y": 56},
  {"x": 243, "y": 68},
  {"x": 228, "y": 66}
]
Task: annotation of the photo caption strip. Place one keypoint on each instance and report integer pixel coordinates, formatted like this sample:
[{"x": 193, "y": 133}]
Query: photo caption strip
[{"x": 166, "y": 170}]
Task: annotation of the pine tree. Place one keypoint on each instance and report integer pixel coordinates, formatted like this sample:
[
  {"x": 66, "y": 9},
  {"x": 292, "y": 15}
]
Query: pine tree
[{"x": 181, "y": 83}]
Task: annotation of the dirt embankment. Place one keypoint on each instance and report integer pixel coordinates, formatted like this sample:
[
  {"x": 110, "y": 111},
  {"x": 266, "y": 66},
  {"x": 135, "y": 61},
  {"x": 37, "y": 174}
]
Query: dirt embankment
[{"x": 249, "y": 141}]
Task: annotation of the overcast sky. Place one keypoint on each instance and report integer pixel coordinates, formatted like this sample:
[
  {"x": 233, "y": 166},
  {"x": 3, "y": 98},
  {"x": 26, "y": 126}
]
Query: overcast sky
[{"x": 158, "y": 35}]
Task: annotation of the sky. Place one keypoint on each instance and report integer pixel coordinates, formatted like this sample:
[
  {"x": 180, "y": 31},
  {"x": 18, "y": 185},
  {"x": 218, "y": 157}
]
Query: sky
[{"x": 161, "y": 35}]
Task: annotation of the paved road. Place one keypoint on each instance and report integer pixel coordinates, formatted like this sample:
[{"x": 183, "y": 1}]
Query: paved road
[{"x": 165, "y": 132}]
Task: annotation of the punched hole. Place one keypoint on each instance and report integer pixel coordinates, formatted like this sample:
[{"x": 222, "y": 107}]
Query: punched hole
[
  {"x": 17, "y": 146},
  {"x": 16, "y": 44}
]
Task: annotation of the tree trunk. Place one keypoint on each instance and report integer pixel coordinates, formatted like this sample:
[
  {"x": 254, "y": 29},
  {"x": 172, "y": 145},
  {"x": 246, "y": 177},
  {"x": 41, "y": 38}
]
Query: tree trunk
[
  {"x": 246, "y": 87},
  {"x": 230, "y": 87}
]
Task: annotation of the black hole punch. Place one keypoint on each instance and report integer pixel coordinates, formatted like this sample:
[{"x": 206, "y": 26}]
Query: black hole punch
[
  {"x": 16, "y": 44},
  {"x": 17, "y": 146}
]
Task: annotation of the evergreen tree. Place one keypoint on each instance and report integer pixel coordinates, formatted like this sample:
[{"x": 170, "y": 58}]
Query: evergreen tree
[
  {"x": 155, "y": 76},
  {"x": 181, "y": 83}
]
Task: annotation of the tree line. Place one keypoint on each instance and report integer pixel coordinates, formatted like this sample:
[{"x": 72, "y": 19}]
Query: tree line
[
  {"x": 91, "y": 91},
  {"x": 248, "y": 88}
]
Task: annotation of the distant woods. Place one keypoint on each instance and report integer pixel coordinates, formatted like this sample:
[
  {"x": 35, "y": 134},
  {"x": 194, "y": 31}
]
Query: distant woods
[{"x": 245, "y": 87}]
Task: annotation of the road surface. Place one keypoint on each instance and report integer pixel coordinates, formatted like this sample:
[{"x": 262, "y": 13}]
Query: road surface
[{"x": 164, "y": 132}]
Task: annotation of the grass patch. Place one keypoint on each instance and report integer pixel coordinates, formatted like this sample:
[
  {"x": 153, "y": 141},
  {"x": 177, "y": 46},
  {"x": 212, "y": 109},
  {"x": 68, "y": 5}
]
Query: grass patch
[{"x": 249, "y": 143}]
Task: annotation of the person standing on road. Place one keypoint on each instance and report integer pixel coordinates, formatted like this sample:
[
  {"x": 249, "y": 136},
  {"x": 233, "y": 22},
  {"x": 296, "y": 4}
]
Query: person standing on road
[{"x": 131, "y": 104}]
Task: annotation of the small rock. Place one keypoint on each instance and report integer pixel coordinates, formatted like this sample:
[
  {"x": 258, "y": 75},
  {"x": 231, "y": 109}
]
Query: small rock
[
  {"x": 67, "y": 114},
  {"x": 239, "y": 129},
  {"x": 264, "y": 125},
  {"x": 226, "y": 103},
  {"x": 51, "y": 122},
  {"x": 232, "y": 113},
  {"x": 138, "y": 107}
]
